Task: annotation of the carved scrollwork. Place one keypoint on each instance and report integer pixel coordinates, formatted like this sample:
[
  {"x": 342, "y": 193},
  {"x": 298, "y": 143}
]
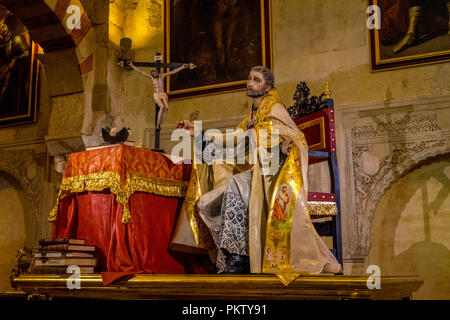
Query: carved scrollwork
[
  {"x": 22, "y": 264},
  {"x": 417, "y": 137},
  {"x": 370, "y": 188},
  {"x": 27, "y": 168},
  {"x": 410, "y": 124},
  {"x": 304, "y": 104}
]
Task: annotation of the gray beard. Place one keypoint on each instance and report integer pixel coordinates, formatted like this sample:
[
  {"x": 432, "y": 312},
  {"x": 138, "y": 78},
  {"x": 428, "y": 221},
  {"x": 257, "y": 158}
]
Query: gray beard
[{"x": 256, "y": 94}]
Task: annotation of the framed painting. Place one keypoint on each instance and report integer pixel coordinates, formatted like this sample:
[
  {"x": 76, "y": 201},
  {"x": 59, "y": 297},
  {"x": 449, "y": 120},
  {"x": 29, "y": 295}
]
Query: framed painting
[
  {"x": 223, "y": 38},
  {"x": 18, "y": 72},
  {"x": 409, "y": 33}
]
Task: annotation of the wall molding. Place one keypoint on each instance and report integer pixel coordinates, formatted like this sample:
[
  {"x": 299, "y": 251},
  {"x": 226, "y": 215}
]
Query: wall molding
[{"x": 27, "y": 168}]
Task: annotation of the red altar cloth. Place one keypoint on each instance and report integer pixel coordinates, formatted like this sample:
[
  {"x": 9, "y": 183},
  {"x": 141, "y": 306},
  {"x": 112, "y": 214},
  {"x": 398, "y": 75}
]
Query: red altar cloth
[{"x": 139, "y": 244}]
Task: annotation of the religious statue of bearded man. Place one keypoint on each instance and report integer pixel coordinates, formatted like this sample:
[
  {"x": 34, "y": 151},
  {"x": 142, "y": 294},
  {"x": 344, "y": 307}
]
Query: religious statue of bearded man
[{"x": 231, "y": 208}]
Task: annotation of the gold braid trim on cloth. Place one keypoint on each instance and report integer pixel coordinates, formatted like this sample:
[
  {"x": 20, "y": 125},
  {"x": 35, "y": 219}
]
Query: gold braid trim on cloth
[
  {"x": 278, "y": 233},
  {"x": 322, "y": 208},
  {"x": 104, "y": 180}
]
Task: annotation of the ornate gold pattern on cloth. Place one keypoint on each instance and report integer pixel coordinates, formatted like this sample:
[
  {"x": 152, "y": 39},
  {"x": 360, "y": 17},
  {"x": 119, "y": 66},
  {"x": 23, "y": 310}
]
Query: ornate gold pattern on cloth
[
  {"x": 201, "y": 233},
  {"x": 262, "y": 116},
  {"x": 322, "y": 208},
  {"x": 279, "y": 224},
  {"x": 244, "y": 124},
  {"x": 192, "y": 196}
]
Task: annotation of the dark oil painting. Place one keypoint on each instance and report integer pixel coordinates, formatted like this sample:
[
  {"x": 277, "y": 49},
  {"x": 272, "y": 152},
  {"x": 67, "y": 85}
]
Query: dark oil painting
[
  {"x": 223, "y": 38},
  {"x": 412, "y": 32},
  {"x": 18, "y": 72}
]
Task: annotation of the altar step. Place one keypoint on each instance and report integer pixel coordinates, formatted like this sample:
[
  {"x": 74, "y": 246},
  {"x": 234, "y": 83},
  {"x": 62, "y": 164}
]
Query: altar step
[{"x": 216, "y": 287}]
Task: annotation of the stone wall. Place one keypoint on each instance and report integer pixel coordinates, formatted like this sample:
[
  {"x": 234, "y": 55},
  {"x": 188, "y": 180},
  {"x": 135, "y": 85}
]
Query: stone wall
[
  {"x": 14, "y": 225},
  {"x": 410, "y": 228},
  {"x": 388, "y": 123}
]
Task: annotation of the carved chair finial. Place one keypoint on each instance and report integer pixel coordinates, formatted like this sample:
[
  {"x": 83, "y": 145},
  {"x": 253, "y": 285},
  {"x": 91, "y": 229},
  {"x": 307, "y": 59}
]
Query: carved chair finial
[
  {"x": 22, "y": 264},
  {"x": 304, "y": 104},
  {"x": 327, "y": 91}
]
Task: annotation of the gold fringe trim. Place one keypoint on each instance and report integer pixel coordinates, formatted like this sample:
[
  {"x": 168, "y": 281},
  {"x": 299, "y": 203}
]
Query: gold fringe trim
[
  {"x": 112, "y": 180},
  {"x": 54, "y": 213},
  {"x": 322, "y": 208},
  {"x": 126, "y": 216},
  {"x": 164, "y": 187}
]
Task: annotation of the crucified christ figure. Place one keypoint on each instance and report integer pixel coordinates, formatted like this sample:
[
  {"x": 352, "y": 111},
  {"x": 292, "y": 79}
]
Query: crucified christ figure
[{"x": 159, "y": 95}]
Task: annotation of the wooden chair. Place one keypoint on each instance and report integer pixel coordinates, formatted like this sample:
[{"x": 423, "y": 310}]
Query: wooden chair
[{"x": 315, "y": 118}]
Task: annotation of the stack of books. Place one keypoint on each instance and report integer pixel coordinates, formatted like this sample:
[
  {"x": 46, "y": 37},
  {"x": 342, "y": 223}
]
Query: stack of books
[{"x": 55, "y": 255}]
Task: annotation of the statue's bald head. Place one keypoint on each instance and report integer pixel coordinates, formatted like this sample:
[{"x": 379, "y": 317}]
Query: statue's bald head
[{"x": 267, "y": 75}]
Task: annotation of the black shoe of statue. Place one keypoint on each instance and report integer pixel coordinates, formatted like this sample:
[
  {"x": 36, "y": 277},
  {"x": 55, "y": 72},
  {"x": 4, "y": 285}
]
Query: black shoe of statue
[{"x": 237, "y": 264}]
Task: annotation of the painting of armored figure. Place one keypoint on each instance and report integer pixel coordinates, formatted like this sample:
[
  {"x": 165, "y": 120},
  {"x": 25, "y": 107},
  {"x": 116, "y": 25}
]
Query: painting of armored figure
[
  {"x": 18, "y": 72},
  {"x": 410, "y": 32}
]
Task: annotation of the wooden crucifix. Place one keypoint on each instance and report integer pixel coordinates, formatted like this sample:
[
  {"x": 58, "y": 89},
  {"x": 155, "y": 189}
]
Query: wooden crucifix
[{"x": 160, "y": 96}]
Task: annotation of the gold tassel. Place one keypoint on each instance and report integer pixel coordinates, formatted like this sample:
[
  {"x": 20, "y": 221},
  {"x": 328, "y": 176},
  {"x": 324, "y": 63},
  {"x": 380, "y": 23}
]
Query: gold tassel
[
  {"x": 134, "y": 183},
  {"x": 126, "y": 216},
  {"x": 53, "y": 214}
]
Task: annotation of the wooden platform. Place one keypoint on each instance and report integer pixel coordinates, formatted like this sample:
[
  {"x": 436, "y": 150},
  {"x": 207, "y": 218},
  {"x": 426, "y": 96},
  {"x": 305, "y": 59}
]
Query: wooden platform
[{"x": 217, "y": 287}]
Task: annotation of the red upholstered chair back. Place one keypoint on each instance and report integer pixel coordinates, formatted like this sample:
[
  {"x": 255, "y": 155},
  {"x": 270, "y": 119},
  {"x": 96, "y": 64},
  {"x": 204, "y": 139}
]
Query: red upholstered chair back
[{"x": 319, "y": 130}]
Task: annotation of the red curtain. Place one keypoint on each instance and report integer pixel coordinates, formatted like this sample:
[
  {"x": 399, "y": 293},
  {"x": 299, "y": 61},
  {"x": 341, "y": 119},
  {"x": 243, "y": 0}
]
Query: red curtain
[{"x": 140, "y": 246}]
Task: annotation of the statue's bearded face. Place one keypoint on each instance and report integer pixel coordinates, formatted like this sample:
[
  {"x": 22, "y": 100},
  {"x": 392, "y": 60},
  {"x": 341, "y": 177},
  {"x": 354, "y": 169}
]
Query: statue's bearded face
[{"x": 256, "y": 85}]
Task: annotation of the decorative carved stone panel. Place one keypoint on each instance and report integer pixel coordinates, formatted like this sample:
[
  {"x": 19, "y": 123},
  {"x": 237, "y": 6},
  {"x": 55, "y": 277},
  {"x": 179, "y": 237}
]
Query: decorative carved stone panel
[
  {"x": 27, "y": 168},
  {"x": 376, "y": 146}
]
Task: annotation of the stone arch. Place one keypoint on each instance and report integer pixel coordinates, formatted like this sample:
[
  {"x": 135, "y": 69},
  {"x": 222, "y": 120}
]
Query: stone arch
[
  {"x": 13, "y": 181},
  {"x": 27, "y": 169},
  {"x": 404, "y": 158},
  {"x": 14, "y": 224},
  {"x": 408, "y": 231}
]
